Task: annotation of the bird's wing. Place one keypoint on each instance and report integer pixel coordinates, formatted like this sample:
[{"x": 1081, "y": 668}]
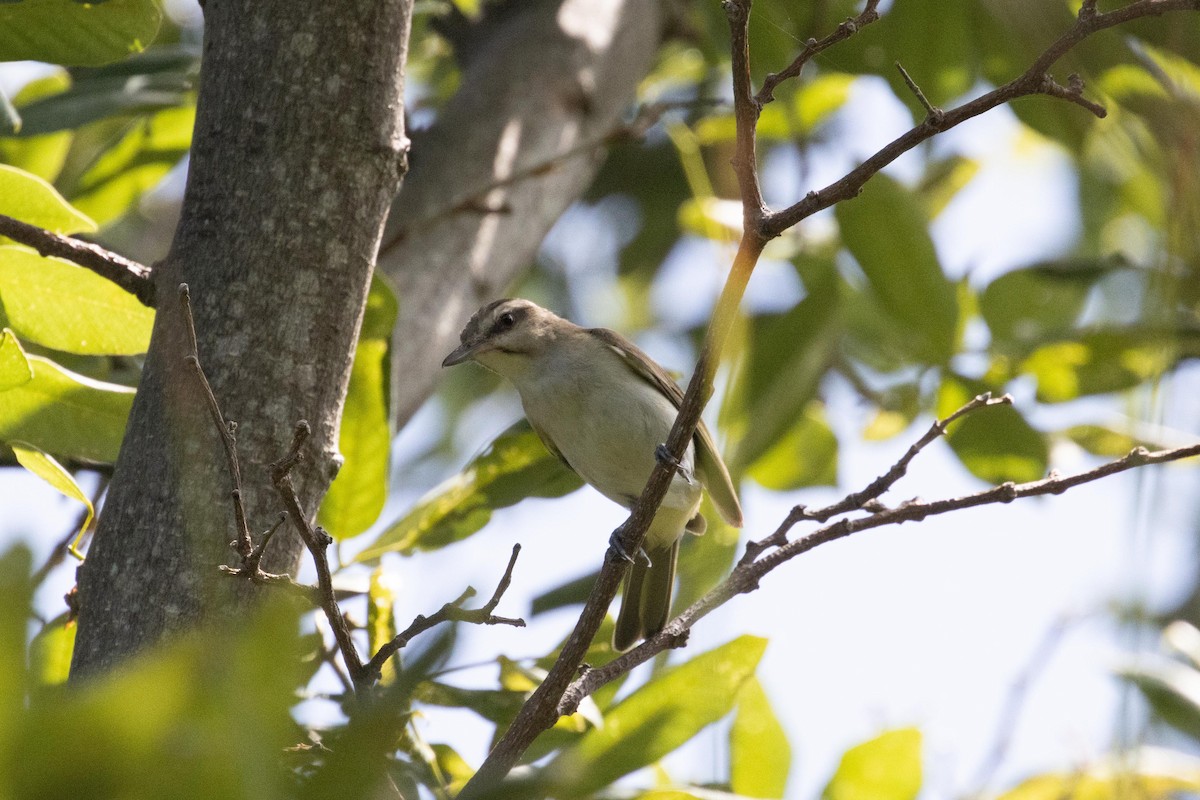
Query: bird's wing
[
  {"x": 553, "y": 448},
  {"x": 709, "y": 465}
]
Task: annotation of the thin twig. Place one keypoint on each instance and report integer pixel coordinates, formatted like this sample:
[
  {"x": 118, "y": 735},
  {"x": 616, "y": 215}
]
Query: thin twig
[
  {"x": 62, "y": 548},
  {"x": 543, "y": 707},
  {"x": 858, "y": 500},
  {"x": 746, "y": 576},
  {"x": 450, "y": 612},
  {"x": 814, "y": 46},
  {"x": 129, "y": 275},
  {"x": 932, "y": 112},
  {"x": 317, "y": 541},
  {"x": 1032, "y": 82},
  {"x": 226, "y": 428}
]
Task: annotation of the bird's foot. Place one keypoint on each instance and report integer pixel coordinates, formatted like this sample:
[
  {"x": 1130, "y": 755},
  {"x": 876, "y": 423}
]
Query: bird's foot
[
  {"x": 663, "y": 456},
  {"x": 614, "y": 543}
]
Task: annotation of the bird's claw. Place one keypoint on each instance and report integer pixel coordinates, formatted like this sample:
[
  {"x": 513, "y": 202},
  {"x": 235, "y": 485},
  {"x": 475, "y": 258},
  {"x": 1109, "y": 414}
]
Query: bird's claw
[
  {"x": 614, "y": 542},
  {"x": 663, "y": 456}
]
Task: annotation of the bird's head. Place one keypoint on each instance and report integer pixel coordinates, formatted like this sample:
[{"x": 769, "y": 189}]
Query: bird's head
[{"x": 505, "y": 335}]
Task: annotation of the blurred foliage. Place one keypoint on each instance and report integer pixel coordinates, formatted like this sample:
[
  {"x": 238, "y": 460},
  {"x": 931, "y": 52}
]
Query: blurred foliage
[{"x": 84, "y": 149}]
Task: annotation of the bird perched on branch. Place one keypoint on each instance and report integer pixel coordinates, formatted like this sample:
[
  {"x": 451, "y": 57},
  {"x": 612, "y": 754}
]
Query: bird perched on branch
[{"x": 604, "y": 408}]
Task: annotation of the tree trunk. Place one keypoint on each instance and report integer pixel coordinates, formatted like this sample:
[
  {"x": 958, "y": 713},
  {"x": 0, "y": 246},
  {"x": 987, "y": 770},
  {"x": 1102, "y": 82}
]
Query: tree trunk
[
  {"x": 542, "y": 86},
  {"x": 298, "y": 151}
]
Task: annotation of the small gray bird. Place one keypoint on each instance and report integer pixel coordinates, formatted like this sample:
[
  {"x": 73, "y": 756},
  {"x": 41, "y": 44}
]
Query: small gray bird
[{"x": 603, "y": 407}]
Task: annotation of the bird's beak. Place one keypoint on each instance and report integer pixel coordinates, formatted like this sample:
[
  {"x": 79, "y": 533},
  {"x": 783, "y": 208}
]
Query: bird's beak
[{"x": 461, "y": 353}]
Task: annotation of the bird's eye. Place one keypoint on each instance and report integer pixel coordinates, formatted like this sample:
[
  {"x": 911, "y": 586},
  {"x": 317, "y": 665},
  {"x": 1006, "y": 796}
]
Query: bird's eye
[{"x": 506, "y": 321}]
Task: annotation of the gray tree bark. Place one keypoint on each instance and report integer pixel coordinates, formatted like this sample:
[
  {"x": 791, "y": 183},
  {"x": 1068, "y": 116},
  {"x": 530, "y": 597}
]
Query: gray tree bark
[
  {"x": 298, "y": 151},
  {"x": 518, "y": 143}
]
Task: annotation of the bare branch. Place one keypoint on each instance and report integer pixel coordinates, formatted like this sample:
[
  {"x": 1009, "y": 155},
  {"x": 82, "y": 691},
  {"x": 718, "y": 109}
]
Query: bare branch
[
  {"x": 450, "y": 612},
  {"x": 226, "y": 428},
  {"x": 1031, "y": 82},
  {"x": 746, "y": 576},
  {"x": 317, "y": 541},
  {"x": 814, "y": 46},
  {"x": 873, "y": 491},
  {"x": 129, "y": 275}
]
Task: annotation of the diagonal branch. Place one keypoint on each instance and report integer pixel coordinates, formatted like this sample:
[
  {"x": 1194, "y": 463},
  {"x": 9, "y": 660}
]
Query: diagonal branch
[
  {"x": 450, "y": 612},
  {"x": 1033, "y": 81},
  {"x": 814, "y": 46},
  {"x": 746, "y": 576},
  {"x": 129, "y": 275}
]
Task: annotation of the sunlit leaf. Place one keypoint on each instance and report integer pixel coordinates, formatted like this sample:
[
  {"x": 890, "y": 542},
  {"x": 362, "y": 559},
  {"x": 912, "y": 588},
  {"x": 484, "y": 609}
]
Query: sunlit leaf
[
  {"x": 63, "y": 306},
  {"x": 135, "y": 164},
  {"x": 16, "y": 592},
  {"x": 995, "y": 444},
  {"x": 1103, "y": 441},
  {"x": 515, "y": 466},
  {"x": 454, "y": 768},
  {"x": 14, "y": 365},
  {"x": 944, "y": 180},
  {"x": 806, "y": 455},
  {"x": 657, "y": 718},
  {"x": 885, "y": 768},
  {"x": 1097, "y": 362},
  {"x": 759, "y": 754},
  {"x": 1107, "y": 783},
  {"x": 30, "y": 199},
  {"x": 66, "y": 414},
  {"x": 50, "y": 651},
  {"x": 45, "y": 467},
  {"x": 40, "y": 155},
  {"x": 381, "y": 621},
  {"x": 78, "y": 34},
  {"x": 787, "y": 355},
  {"x": 887, "y": 232},
  {"x": 214, "y": 720},
  {"x": 357, "y": 495}
]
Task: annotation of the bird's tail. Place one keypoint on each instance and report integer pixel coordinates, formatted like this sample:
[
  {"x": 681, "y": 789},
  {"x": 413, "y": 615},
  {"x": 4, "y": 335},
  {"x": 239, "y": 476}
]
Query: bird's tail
[{"x": 646, "y": 606}]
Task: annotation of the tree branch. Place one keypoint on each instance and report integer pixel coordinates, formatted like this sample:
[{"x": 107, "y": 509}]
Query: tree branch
[
  {"x": 129, "y": 275},
  {"x": 543, "y": 707},
  {"x": 746, "y": 576},
  {"x": 450, "y": 612},
  {"x": 1033, "y": 81},
  {"x": 812, "y": 47}
]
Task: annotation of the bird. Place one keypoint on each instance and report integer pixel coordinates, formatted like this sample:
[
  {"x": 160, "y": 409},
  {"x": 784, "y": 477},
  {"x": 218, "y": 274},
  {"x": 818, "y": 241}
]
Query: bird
[{"x": 605, "y": 408}]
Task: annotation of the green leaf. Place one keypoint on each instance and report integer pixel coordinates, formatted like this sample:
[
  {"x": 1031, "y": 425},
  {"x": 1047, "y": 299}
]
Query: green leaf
[
  {"x": 705, "y": 560},
  {"x": 161, "y": 78},
  {"x": 759, "y": 754},
  {"x": 30, "y": 199},
  {"x": 66, "y": 307},
  {"x": 213, "y": 719},
  {"x": 806, "y": 455},
  {"x": 50, "y": 651},
  {"x": 995, "y": 444},
  {"x": 1173, "y": 691},
  {"x": 885, "y": 768},
  {"x": 76, "y": 34},
  {"x": 381, "y": 622},
  {"x": 45, "y": 467},
  {"x": 1028, "y": 306},
  {"x": 515, "y": 466},
  {"x": 1097, "y": 362},
  {"x": 1107, "y": 782},
  {"x": 16, "y": 593},
  {"x": 787, "y": 355},
  {"x": 356, "y": 496},
  {"x": 14, "y": 365},
  {"x": 135, "y": 164},
  {"x": 657, "y": 718},
  {"x": 40, "y": 155},
  {"x": 1105, "y": 442},
  {"x": 66, "y": 414},
  {"x": 943, "y": 180},
  {"x": 887, "y": 232},
  {"x": 10, "y": 118}
]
